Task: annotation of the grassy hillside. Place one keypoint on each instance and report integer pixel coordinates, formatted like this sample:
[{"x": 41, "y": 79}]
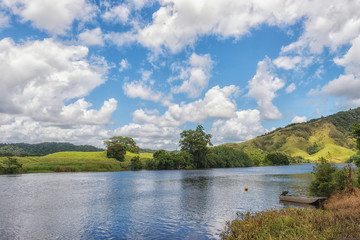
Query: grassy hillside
[
  {"x": 329, "y": 137},
  {"x": 76, "y": 161}
]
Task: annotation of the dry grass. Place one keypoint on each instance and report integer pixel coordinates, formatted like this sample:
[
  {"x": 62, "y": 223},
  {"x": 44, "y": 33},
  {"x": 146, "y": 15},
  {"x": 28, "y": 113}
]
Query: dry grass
[{"x": 346, "y": 202}]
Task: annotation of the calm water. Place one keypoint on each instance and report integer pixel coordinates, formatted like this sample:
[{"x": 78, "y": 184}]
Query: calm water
[{"x": 191, "y": 204}]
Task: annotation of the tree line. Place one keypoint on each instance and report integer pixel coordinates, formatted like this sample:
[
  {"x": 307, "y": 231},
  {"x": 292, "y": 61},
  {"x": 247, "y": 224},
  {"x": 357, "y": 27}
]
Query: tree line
[{"x": 196, "y": 153}]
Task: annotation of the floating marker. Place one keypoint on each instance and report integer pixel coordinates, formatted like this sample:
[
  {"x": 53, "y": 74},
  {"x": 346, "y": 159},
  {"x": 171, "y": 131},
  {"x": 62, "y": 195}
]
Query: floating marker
[{"x": 246, "y": 189}]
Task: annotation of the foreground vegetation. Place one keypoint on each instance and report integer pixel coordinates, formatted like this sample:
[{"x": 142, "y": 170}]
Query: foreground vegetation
[{"x": 339, "y": 220}]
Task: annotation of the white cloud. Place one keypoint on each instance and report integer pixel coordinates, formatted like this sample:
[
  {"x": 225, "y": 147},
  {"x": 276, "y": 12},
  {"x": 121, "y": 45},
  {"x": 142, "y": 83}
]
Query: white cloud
[
  {"x": 194, "y": 76},
  {"x": 39, "y": 77},
  {"x": 54, "y": 16},
  {"x": 118, "y": 14},
  {"x": 263, "y": 87},
  {"x": 173, "y": 24},
  {"x": 124, "y": 64},
  {"x": 140, "y": 89},
  {"x": 331, "y": 26},
  {"x": 4, "y": 20},
  {"x": 290, "y": 88},
  {"x": 92, "y": 37},
  {"x": 299, "y": 119},
  {"x": 244, "y": 126},
  {"x": 24, "y": 129},
  {"x": 346, "y": 85},
  {"x": 287, "y": 63},
  {"x": 217, "y": 103},
  {"x": 151, "y": 135}
]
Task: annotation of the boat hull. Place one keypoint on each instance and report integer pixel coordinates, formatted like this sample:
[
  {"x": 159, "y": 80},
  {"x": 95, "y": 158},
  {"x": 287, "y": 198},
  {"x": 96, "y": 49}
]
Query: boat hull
[{"x": 301, "y": 199}]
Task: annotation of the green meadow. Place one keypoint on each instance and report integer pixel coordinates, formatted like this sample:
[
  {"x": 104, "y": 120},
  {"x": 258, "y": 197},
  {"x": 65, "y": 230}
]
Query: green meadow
[{"x": 76, "y": 162}]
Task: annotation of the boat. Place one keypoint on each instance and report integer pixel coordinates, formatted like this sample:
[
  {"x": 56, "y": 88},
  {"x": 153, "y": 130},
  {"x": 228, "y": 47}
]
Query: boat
[{"x": 301, "y": 199}]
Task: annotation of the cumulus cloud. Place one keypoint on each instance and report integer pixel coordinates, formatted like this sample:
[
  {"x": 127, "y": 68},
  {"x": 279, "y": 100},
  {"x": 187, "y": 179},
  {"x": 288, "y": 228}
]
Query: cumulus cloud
[
  {"x": 92, "y": 37},
  {"x": 243, "y": 126},
  {"x": 173, "y": 24},
  {"x": 299, "y": 119},
  {"x": 290, "y": 88},
  {"x": 39, "y": 77},
  {"x": 263, "y": 87},
  {"x": 194, "y": 75},
  {"x": 326, "y": 26},
  {"x": 55, "y": 17},
  {"x": 142, "y": 88},
  {"x": 124, "y": 64},
  {"x": 118, "y": 14},
  {"x": 151, "y": 135},
  {"x": 286, "y": 62},
  {"x": 217, "y": 103},
  {"x": 346, "y": 85}
]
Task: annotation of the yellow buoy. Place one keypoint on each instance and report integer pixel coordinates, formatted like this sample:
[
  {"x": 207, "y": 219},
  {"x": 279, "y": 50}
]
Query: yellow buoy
[{"x": 246, "y": 189}]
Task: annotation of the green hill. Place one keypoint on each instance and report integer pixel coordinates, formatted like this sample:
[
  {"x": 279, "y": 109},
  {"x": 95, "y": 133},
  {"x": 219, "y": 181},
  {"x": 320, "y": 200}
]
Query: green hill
[{"x": 329, "y": 137}]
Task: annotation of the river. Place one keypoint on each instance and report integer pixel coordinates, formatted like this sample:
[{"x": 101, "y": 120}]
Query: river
[{"x": 177, "y": 204}]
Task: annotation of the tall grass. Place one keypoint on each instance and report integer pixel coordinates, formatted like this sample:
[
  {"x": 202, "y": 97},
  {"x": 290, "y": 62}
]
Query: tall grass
[{"x": 339, "y": 220}]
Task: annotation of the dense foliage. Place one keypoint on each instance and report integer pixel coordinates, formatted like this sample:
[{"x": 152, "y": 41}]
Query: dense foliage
[
  {"x": 10, "y": 166},
  {"x": 196, "y": 143},
  {"x": 323, "y": 184},
  {"x": 39, "y": 149},
  {"x": 225, "y": 157},
  {"x": 136, "y": 164},
  {"x": 116, "y": 151},
  {"x": 128, "y": 142},
  {"x": 277, "y": 159}
]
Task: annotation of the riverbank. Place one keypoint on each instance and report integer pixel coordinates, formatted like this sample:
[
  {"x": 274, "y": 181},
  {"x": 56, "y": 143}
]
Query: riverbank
[
  {"x": 339, "y": 219},
  {"x": 75, "y": 162}
]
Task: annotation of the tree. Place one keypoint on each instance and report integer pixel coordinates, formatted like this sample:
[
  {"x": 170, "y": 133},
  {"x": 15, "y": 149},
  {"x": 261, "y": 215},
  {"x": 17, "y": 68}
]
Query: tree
[
  {"x": 128, "y": 142},
  {"x": 277, "y": 159},
  {"x": 10, "y": 166},
  {"x": 323, "y": 184},
  {"x": 196, "y": 143},
  {"x": 116, "y": 151},
  {"x": 136, "y": 164}
]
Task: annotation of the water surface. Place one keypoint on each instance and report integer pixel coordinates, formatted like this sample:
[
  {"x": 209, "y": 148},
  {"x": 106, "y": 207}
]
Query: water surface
[{"x": 178, "y": 204}]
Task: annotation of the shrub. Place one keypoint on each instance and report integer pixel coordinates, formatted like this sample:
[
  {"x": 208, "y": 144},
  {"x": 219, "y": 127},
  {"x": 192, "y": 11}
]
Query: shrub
[
  {"x": 323, "y": 184},
  {"x": 10, "y": 166},
  {"x": 136, "y": 164}
]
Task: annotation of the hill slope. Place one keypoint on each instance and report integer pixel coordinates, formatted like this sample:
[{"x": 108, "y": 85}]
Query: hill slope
[{"x": 328, "y": 137}]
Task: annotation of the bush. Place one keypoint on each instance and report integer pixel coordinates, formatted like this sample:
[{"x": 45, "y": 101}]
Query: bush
[
  {"x": 323, "y": 184},
  {"x": 116, "y": 151},
  {"x": 136, "y": 164},
  {"x": 10, "y": 166}
]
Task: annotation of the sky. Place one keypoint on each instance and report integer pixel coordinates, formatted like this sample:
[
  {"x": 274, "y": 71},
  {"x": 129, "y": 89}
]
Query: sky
[{"x": 82, "y": 71}]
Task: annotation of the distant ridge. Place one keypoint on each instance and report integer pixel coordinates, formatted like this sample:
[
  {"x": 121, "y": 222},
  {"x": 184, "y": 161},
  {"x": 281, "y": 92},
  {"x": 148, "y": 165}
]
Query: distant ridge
[
  {"x": 38, "y": 149},
  {"x": 329, "y": 137}
]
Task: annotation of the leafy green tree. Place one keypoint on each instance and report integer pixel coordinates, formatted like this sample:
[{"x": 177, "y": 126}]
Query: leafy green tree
[
  {"x": 277, "y": 159},
  {"x": 136, "y": 164},
  {"x": 196, "y": 143},
  {"x": 128, "y": 142},
  {"x": 10, "y": 166},
  {"x": 116, "y": 151},
  {"x": 323, "y": 184},
  {"x": 223, "y": 156}
]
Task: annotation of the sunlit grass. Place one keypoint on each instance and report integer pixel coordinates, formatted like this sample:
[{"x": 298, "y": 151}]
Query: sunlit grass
[{"x": 77, "y": 161}]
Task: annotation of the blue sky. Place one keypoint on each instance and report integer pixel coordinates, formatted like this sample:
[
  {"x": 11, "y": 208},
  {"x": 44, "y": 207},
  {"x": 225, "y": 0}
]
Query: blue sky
[{"x": 82, "y": 71}]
